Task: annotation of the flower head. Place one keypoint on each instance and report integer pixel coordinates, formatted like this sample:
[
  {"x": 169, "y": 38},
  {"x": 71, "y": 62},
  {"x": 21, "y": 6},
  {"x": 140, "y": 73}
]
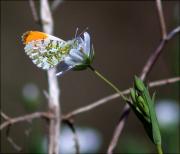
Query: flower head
[
  {"x": 67, "y": 145},
  {"x": 80, "y": 55}
]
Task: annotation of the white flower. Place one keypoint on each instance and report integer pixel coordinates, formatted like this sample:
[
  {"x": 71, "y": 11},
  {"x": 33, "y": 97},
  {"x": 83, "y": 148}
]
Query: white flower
[
  {"x": 88, "y": 138},
  {"x": 89, "y": 141},
  {"x": 167, "y": 112},
  {"x": 80, "y": 55}
]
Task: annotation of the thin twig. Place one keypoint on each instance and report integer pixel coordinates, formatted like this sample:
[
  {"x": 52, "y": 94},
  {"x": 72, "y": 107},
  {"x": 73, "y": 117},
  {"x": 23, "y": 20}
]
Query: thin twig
[
  {"x": 164, "y": 82},
  {"x": 33, "y": 10},
  {"x": 146, "y": 70},
  {"x": 71, "y": 126},
  {"x": 55, "y": 4},
  {"x": 46, "y": 94},
  {"x": 27, "y": 117},
  {"x": 15, "y": 146},
  {"x": 4, "y": 116},
  {"x": 54, "y": 91},
  {"x": 116, "y": 95},
  {"x": 11, "y": 141},
  {"x": 161, "y": 18},
  {"x": 118, "y": 129},
  {"x": 172, "y": 33},
  {"x": 154, "y": 56},
  {"x": 46, "y": 22}
]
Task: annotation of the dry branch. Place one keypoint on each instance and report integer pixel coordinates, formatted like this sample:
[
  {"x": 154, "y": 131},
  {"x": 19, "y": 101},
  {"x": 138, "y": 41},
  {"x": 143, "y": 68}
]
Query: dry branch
[
  {"x": 55, "y": 4},
  {"x": 155, "y": 55},
  {"x": 54, "y": 115},
  {"x": 161, "y": 18},
  {"x": 150, "y": 62},
  {"x": 28, "y": 117},
  {"x": 75, "y": 137},
  {"x": 33, "y": 10},
  {"x": 54, "y": 104},
  {"x": 118, "y": 129},
  {"x": 116, "y": 95}
]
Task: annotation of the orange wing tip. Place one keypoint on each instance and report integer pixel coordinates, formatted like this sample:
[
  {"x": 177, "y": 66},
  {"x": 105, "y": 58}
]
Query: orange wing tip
[
  {"x": 33, "y": 36},
  {"x": 24, "y": 37}
]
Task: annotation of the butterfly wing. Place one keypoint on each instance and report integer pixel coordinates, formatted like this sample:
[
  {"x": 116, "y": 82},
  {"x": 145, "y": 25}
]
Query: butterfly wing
[
  {"x": 63, "y": 68},
  {"x": 45, "y": 53}
]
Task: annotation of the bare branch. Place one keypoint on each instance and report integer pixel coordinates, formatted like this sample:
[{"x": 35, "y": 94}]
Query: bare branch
[
  {"x": 46, "y": 17},
  {"x": 164, "y": 82},
  {"x": 15, "y": 146},
  {"x": 4, "y": 116},
  {"x": 125, "y": 112},
  {"x": 118, "y": 129},
  {"x": 28, "y": 117},
  {"x": 34, "y": 11},
  {"x": 71, "y": 126},
  {"x": 54, "y": 104},
  {"x": 154, "y": 56},
  {"x": 46, "y": 94},
  {"x": 93, "y": 105},
  {"x": 173, "y": 33},
  {"x": 55, "y": 4},
  {"x": 161, "y": 18},
  {"x": 116, "y": 95},
  {"x": 53, "y": 97},
  {"x": 148, "y": 66}
]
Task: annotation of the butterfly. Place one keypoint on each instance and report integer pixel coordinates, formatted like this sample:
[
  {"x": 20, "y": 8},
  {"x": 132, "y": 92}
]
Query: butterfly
[{"x": 47, "y": 51}]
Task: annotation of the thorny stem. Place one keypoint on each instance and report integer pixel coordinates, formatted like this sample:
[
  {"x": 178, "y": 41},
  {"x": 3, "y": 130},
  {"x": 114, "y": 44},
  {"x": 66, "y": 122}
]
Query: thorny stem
[{"x": 109, "y": 83}]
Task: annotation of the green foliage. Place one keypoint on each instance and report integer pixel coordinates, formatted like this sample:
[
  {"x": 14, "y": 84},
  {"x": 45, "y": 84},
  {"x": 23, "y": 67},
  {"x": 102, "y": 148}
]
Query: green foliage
[{"x": 143, "y": 106}]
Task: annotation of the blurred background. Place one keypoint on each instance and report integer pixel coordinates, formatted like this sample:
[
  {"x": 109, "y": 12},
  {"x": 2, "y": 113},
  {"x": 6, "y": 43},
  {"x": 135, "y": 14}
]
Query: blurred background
[{"x": 123, "y": 34}]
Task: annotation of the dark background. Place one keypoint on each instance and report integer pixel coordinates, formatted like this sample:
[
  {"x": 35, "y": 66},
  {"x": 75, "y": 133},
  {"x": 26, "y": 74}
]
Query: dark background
[{"x": 123, "y": 33}]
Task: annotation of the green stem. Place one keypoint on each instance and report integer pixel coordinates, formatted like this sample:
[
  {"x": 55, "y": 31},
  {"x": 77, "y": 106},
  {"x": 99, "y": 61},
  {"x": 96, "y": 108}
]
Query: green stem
[
  {"x": 109, "y": 83},
  {"x": 159, "y": 149}
]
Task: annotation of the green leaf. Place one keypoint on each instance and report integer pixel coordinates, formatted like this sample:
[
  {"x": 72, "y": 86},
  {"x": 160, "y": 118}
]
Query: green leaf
[
  {"x": 140, "y": 96},
  {"x": 138, "y": 84},
  {"x": 155, "y": 128},
  {"x": 133, "y": 95}
]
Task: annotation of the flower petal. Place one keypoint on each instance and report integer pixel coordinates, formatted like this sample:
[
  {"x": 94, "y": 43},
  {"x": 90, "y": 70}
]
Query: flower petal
[
  {"x": 76, "y": 55},
  {"x": 91, "y": 54},
  {"x": 86, "y": 43},
  {"x": 63, "y": 67},
  {"x": 69, "y": 61},
  {"x": 63, "y": 71}
]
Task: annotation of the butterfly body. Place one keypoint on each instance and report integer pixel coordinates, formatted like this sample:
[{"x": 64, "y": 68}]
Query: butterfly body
[{"x": 47, "y": 51}]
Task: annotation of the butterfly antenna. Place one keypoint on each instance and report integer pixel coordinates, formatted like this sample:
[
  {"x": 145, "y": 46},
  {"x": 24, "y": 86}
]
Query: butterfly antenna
[
  {"x": 83, "y": 31},
  {"x": 76, "y": 32}
]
